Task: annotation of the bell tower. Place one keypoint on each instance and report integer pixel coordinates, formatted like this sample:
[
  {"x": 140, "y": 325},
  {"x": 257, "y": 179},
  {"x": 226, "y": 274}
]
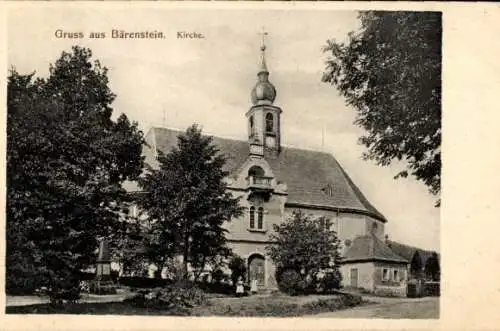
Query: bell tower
[{"x": 264, "y": 122}]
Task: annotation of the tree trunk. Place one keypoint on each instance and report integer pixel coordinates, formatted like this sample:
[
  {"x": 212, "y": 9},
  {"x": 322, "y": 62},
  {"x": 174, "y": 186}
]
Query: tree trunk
[
  {"x": 200, "y": 270},
  {"x": 186, "y": 250},
  {"x": 159, "y": 265}
]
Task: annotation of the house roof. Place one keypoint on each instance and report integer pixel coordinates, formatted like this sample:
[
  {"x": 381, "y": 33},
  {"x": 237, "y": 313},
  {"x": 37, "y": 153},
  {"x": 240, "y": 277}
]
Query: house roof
[
  {"x": 305, "y": 172},
  {"x": 408, "y": 252},
  {"x": 371, "y": 248}
]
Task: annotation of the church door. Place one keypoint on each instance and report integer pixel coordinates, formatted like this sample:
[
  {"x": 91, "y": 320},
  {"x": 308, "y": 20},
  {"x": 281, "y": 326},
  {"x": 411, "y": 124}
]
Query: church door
[{"x": 256, "y": 270}]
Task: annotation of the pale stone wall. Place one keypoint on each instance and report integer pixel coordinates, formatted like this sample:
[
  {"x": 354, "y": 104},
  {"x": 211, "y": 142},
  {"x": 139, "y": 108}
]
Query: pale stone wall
[
  {"x": 370, "y": 277},
  {"x": 239, "y": 228},
  {"x": 347, "y": 225},
  {"x": 391, "y": 286},
  {"x": 365, "y": 274}
]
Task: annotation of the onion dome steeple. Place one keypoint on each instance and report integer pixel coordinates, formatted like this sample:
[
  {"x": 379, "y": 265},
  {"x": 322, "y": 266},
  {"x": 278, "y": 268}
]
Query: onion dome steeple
[{"x": 263, "y": 92}]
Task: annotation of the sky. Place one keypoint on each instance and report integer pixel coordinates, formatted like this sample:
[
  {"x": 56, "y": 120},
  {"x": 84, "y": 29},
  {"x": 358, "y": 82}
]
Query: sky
[{"x": 175, "y": 82}]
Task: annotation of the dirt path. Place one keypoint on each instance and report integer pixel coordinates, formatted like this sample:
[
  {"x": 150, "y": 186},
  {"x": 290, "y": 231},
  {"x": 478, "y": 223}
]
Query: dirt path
[
  {"x": 33, "y": 299},
  {"x": 424, "y": 308}
]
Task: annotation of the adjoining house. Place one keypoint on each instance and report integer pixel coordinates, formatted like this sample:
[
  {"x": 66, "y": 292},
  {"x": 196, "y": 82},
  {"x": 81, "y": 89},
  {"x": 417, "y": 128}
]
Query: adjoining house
[
  {"x": 273, "y": 181},
  {"x": 370, "y": 265}
]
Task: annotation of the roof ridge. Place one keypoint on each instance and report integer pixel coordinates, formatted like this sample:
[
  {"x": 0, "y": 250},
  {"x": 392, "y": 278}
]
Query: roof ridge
[{"x": 287, "y": 146}]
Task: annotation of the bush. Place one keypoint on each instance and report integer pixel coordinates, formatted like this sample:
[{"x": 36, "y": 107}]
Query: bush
[
  {"x": 221, "y": 288},
  {"x": 60, "y": 296},
  {"x": 218, "y": 275},
  {"x": 238, "y": 268},
  {"x": 144, "y": 282},
  {"x": 332, "y": 304},
  {"x": 291, "y": 282},
  {"x": 432, "y": 289},
  {"x": 330, "y": 282},
  {"x": 101, "y": 289},
  {"x": 179, "y": 297}
]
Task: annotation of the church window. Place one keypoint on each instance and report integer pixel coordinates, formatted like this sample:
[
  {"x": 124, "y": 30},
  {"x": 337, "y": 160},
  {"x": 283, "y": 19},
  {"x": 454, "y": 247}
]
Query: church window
[
  {"x": 256, "y": 171},
  {"x": 260, "y": 223},
  {"x": 269, "y": 122},
  {"x": 251, "y": 126},
  {"x": 252, "y": 217}
]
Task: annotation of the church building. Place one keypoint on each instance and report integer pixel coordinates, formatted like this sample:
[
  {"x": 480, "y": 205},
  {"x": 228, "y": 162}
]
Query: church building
[{"x": 273, "y": 181}]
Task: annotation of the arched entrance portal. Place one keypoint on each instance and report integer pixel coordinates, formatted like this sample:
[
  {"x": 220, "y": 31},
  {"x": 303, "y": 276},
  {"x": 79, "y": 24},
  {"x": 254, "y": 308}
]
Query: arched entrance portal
[{"x": 256, "y": 269}]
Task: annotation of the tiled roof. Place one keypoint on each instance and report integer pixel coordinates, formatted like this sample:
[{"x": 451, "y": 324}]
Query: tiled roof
[
  {"x": 407, "y": 251},
  {"x": 371, "y": 248},
  {"x": 306, "y": 173}
]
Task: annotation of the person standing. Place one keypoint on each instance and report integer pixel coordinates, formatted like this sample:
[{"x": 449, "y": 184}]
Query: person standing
[{"x": 240, "y": 289}]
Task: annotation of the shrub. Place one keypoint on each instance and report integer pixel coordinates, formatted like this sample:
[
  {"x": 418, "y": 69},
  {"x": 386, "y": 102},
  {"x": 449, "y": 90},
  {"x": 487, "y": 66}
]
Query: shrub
[
  {"x": 60, "y": 296},
  {"x": 179, "y": 297},
  {"x": 144, "y": 282},
  {"x": 101, "y": 289},
  {"x": 331, "y": 304},
  {"x": 330, "y": 281},
  {"x": 432, "y": 288},
  {"x": 291, "y": 282},
  {"x": 238, "y": 268},
  {"x": 218, "y": 275}
]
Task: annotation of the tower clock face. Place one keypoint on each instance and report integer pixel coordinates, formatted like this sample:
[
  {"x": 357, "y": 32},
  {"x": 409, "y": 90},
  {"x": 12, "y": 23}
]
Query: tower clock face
[{"x": 270, "y": 141}]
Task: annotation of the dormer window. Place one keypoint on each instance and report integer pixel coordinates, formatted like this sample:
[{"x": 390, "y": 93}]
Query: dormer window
[{"x": 269, "y": 122}]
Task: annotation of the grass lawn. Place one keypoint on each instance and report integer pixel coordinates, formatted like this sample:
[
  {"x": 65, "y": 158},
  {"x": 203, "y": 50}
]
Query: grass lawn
[{"x": 273, "y": 305}]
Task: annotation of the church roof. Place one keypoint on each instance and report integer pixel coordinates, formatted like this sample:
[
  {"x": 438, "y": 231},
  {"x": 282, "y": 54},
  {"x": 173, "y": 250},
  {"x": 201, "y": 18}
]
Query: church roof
[
  {"x": 370, "y": 248},
  {"x": 313, "y": 178}
]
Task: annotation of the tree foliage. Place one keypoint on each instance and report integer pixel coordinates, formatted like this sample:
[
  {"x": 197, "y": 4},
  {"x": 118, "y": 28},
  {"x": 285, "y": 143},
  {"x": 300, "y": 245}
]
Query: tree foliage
[
  {"x": 432, "y": 269},
  {"x": 66, "y": 161},
  {"x": 238, "y": 268},
  {"x": 304, "y": 244},
  {"x": 187, "y": 202},
  {"x": 416, "y": 265},
  {"x": 390, "y": 73}
]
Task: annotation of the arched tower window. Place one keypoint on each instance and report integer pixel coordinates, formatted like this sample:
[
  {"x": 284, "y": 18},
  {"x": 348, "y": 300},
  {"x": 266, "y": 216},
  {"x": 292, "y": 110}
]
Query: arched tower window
[
  {"x": 269, "y": 122},
  {"x": 256, "y": 171},
  {"x": 252, "y": 217},
  {"x": 252, "y": 128},
  {"x": 260, "y": 222}
]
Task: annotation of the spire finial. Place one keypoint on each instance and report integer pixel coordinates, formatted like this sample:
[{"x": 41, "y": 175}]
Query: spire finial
[
  {"x": 263, "y": 67},
  {"x": 264, "y": 34}
]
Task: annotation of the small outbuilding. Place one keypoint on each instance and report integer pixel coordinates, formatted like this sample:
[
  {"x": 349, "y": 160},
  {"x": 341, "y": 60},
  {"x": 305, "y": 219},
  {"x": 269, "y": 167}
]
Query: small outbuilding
[{"x": 370, "y": 265}]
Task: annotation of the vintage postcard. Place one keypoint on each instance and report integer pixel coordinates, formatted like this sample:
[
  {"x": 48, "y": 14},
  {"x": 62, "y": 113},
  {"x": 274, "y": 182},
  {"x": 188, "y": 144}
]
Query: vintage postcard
[{"x": 186, "y": 160}]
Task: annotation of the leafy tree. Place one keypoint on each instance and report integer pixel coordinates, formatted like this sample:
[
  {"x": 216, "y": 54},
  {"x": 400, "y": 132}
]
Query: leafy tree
[
  {"x": 416, "y": 265},
  {"x": 432, "y": 269},
  {"x": 66, "y": 161},
  {"x": 317, "y": 246},
  {"x": 238, "y": 268},
  {"x": 390, "y": 72},
  {"x": 187, "y": 202}
]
